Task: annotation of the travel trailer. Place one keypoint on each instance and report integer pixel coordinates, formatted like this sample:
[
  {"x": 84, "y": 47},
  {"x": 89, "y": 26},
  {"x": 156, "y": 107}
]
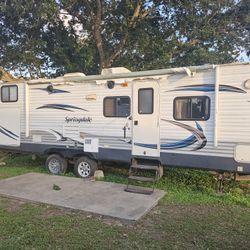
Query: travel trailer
[{"x": 194, "y": 117}]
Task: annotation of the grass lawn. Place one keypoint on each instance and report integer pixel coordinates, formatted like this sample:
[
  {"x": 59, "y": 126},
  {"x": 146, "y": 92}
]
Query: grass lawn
[{"x": 190, "y": 216}]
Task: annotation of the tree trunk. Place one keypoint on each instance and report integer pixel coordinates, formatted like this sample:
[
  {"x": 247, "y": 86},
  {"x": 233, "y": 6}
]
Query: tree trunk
[{"x": 97, "y": 32}]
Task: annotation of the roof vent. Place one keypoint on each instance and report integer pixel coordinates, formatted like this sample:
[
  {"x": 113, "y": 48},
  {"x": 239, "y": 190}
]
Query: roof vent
[
  {"x": 74, "y": 74},
  {"x": 116, "y": 70}
]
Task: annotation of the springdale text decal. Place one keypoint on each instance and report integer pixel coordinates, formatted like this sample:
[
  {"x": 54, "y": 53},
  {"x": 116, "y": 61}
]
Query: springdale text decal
[{"x": 78, "y": 119}]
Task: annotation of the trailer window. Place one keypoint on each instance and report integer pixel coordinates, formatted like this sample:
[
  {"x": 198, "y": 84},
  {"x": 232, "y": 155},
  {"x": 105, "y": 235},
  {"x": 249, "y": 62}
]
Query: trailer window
[
  {"x": 145, "y": 101},
  {"x": 192, "y": 108},
  {"x": 116, "y": 106},
  {"x": 9, "y": 93}
]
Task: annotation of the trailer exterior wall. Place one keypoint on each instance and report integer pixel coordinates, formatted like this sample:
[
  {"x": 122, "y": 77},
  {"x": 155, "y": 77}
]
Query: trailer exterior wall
[{"x": 233, "y": 120}]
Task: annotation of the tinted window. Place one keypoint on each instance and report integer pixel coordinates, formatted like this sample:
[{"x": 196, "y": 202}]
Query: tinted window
[
  {"x": 117, "y": 106},
  {"x": 146, "y": 101},
  {"x": 192, "y": 108},
  {"x": 9, "y": 93}
]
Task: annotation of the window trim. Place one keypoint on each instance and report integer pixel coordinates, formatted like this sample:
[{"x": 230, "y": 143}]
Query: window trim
[
  {"x": 9, "y": 86},
  {"x": 150, "y": 88},
  {"x": 108, "y": 97},
  {"x": 185, "y": 97}
]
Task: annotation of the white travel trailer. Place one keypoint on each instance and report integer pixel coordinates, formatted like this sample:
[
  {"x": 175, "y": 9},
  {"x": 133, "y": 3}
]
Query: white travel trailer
[{"x": 196, "y": 117}]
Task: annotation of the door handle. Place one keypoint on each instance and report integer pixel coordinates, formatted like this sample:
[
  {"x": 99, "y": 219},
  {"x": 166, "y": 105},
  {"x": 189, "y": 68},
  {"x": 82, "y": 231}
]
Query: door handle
[{"x": 135, "y": 123}]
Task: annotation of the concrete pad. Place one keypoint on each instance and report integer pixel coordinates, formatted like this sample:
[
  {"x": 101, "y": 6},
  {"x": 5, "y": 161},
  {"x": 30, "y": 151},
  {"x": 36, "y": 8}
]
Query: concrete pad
[{"x": 99, "y": 197}]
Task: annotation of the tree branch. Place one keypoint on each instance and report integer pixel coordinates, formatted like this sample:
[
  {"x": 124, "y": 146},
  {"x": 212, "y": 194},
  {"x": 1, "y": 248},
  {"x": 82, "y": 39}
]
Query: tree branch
[
  {"x": 117, "y": 51},
  {"x": 137, "y": 16}
]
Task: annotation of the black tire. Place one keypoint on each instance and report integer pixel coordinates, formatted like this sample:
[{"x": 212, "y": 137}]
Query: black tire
[
  {"x": 56, "y": 164},
  {"x": 85, "y": 167}
]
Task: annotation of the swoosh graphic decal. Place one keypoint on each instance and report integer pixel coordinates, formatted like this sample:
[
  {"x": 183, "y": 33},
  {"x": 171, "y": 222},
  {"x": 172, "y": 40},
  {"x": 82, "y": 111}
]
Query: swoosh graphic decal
[
  {"x": 208, "y": 88},
  {"x": 197, "y": 136},
  {"x": 180, "y": 144},
  {"x": 53, "y": 91},
  {"x": 8, "y": 133},
  {"x": 61, "y": 107},
  {"x": 60, "y": 137}
]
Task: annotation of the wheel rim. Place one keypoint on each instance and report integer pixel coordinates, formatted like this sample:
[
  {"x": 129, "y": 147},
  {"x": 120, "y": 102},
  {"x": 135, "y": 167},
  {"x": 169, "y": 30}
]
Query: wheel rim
[
  {"x": 84, "y": 169},
  {"x": 54, "y": 166}
]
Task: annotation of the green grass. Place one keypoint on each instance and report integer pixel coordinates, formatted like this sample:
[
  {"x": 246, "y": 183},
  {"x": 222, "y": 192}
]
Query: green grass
[
  {"x": 21, "y": 164},
  {"x": 190, "y": 216},
  {"x": 189, "y": 187},
  {"x": 32, "y": 226},
  {"x": 183, "y": 186}
]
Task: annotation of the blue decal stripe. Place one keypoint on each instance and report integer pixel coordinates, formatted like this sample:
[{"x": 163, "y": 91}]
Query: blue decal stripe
[
  {"x": 53, "y": 91},
  {"x": 8, "y": 131},
  {"x": 5, "y": 133},
  {"x": 180, "y": 144},
  {"x": 61, "y": 107},
  {"x": 153, "y": 146},
  {"x": 209, "y": 88}
]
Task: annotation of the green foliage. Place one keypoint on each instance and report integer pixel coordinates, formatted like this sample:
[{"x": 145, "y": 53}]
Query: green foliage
[
  {"x": 197, "y": 180},
  {"x": 22, "y": 24},
  {"x": 37, "y": 40},
  {"x": 209, "y": 31}
]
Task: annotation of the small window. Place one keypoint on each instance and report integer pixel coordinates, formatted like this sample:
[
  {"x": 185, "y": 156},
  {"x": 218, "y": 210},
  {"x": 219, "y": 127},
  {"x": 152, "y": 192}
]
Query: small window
[
  {"x": 192, "y": 108},
  {"x": 146, "y": 101},
  {"x": 9, "y": 93},
  {"x": 118, "y": 106}
]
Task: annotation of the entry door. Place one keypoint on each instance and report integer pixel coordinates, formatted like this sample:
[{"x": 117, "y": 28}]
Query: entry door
[{"x": 146, "y": 130}]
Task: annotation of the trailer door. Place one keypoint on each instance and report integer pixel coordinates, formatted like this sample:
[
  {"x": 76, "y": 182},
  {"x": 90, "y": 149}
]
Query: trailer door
[
  {"x": 146, "y": 109},
  {"x": 9, "y": 116}
]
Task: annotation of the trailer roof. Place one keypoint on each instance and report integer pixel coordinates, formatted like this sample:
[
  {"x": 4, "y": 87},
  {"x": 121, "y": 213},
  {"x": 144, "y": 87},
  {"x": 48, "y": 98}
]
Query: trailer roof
[
  {"x": 128, "y": 75},
  {"x": 137, "y": 74}
]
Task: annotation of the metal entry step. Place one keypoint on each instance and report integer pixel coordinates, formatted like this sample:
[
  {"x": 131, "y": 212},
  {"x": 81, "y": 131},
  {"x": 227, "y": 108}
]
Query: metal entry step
[
  {"x": 146, "y": 167},
  {"x": 143, "y": 171}
]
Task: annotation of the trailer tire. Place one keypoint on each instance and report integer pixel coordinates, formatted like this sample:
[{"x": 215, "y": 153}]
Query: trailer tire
[
  {"x": 56, "y": 164},
  {"x": 85, "y": 167}
]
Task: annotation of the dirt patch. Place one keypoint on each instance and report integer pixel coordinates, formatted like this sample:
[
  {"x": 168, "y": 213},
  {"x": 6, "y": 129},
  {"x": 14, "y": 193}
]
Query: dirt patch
[
  {"x": 11, "y": 205},
  {"x": 51, "y": 211}
]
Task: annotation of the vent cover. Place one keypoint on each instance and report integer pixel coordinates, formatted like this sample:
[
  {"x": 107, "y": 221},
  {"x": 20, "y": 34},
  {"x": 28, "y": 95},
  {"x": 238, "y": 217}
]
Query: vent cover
[{"x": 116, "y": 70}]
